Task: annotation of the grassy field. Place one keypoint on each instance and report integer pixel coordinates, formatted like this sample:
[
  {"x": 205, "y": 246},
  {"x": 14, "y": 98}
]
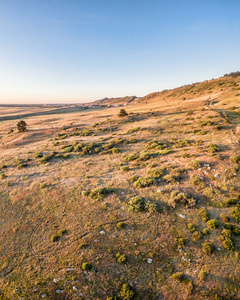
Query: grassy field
[{"x": 145, "y": 206}]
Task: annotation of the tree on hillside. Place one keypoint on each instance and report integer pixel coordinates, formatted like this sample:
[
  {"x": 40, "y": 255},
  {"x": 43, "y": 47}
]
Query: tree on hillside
[
  {"x": 122, "y": 113},
  {"x": 22, "y": 126}
]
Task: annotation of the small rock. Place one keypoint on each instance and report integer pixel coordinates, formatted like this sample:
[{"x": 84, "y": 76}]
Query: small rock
[
  {"x": 182, "y": 216},
  {"x": 96, "y": 240},
  {"x": 43, "y": 295},
  {"x": 102, "y": 231},
  {"x": 185, "y": 258},
  {"x": 149, "y": 260},
  {"x": 74, "y": 288},
  {"x": 217, "y": 175},
  {"x": 70, "y": 269},
  {"x": 58, "y": 291},
  {"x": 55, "y": 280}
]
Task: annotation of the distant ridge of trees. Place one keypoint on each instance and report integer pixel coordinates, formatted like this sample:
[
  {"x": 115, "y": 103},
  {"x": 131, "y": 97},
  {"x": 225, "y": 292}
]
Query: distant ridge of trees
[{"x": 233, "y": 74}]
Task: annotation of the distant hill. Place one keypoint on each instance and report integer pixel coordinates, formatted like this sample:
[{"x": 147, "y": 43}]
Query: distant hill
[{"x": 115, "y": 101}]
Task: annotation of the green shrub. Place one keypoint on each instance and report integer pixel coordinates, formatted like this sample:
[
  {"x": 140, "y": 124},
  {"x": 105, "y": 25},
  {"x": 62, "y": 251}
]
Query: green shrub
[
  {"x": 212, "y": 148},
  {"x": 203, "y": 274},
  {"x": 125, "y": 168},
  {"x": 156, "y": 173},
  {"x": 191, "y": 227},
  {"x": 177, "y": 276},
  {"x": 62, "y": 232},
  {"x": 3, "y": 175},
  {"x": 181, "y": 241},
  {"x": 38, "y": 155},
  {"x": 235, "y": 159},
  {"x": 120, "y": 225},
  {"x": 136, "y": 204},
  {"x": 54, "y": 238},
  {"x": 207, "y": 248},
  {"x": 22, "y": 126},
  {"x": 181, "y": 198},
  {"x": 122, "y": 113},
  {"x": 21, "y": 165},
  {"x": 230, "y": 202},
  {"x": 155, "y": 145},
  {"x": 228, "y": 244},
  {"x": 144, "y": 156},
  {"x": 195, "y": 164},
  {"x": 224, "y": 218},
  {"x": 86, "y": 266},
  {"x": 236, "y": 230},
  {"x": 195, "y": 180},
  {"x": 204, "y": 214},
  {"x": 100, "y": 193},
  {"x": 133, "y": 178},
  {"x": 150, "y": 207},
  {"x": 121, "y": 258},
  {"x": 127, "y": 292},
  {"x": 235, "y": 213},
  {"x": 206, "y": 231},
  {"x": 130, "y": 157},
  {"x": 213, "y": 224},
  {"x": 196, "y": 236},
  {"x": 143, "y": 182}
]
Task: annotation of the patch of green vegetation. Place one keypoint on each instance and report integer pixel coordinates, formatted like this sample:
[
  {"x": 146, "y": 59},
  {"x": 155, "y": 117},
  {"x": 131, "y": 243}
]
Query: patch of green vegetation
[
  {"x": 213, "y": 224},
  {"x": 204, "y": 214},
  {"x": 62, "y": 231},
  {"x": 191, "y": 227},
  {"x": 127, "y": 292},
  {"x": 121, "y": 258},
  {"x": 178, "y": 276},
  {"x": 86, "y": 266},
  {"x": 235, "y": 213},
  {"x": 54, "y": 238},
  {"x": 130, "y": 157},
  {"x": 155, "y": 145},
  {"x": 181, "y": 198},
  {"x": 121, "y": 225},
  {"x": 143, "y": 182},
  {"x": 207, "y": 248},
  {"x": 156, "y": 173}
]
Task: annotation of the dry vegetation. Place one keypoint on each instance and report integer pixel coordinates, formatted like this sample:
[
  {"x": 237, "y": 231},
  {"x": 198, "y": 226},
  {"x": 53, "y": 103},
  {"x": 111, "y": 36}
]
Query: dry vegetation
[{"x": 144, "y": 206}]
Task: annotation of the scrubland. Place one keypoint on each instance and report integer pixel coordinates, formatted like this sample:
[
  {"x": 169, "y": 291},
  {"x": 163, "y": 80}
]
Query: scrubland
[{"x": 144, "y": 206}]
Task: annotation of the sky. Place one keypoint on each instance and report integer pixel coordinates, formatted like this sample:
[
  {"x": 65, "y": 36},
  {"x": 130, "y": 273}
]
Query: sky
[{"x": 73, "y": 51}]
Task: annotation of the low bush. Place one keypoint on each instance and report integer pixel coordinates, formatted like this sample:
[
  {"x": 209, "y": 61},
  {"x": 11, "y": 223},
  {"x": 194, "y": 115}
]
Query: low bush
[
  {"x": 206, "y": 231},
  {"x": 207, "y": 248},
  {"x": 62, "y": 231},
  {"x": 143, "y": 182},
  {"x": 191, "y": 227},
  {"x": 177, "y": 276},
  {"x": 156, "y": 173},
  {"x": 213, "y": 224},
  {"x": 86, "y": 266},
  {"x": 127, "y": 292},
  {"x": 54, "y": 238},
  {"x": 204, "y": 214},
  {"x": 235, "y": 159},
  {"x": 196, "y": 236},
  {"x": 230, "y": 202},
  {"x": 181, "y": 198},
  {"x": 181, "y": 241},
  {"x": 121, "y": 258},
  {"x": 235, "y": 213},
  {"x": 120, "y": 225}
]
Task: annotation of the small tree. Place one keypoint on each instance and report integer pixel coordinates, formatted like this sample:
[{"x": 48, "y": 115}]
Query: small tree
[
  {"x": 122, "y": 113},
  {"x": 22, "y": 126}
]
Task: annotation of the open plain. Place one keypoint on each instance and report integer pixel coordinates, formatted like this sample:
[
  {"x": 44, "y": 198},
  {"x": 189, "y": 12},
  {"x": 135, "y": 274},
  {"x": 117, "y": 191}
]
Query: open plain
[{"x": 94, "y": 205}]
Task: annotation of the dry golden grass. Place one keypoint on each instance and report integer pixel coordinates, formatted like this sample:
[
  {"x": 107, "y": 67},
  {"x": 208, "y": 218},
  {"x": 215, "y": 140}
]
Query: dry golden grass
[{"x": 86, "y": 179}]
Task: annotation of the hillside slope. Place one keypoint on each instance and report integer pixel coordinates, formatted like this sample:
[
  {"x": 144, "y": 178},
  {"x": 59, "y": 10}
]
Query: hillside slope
[{"x": 97, "y": 206}]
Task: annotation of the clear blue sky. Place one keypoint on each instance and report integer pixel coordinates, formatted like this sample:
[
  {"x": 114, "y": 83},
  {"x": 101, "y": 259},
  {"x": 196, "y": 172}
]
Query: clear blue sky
[{"x": 82, "y": 50}]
